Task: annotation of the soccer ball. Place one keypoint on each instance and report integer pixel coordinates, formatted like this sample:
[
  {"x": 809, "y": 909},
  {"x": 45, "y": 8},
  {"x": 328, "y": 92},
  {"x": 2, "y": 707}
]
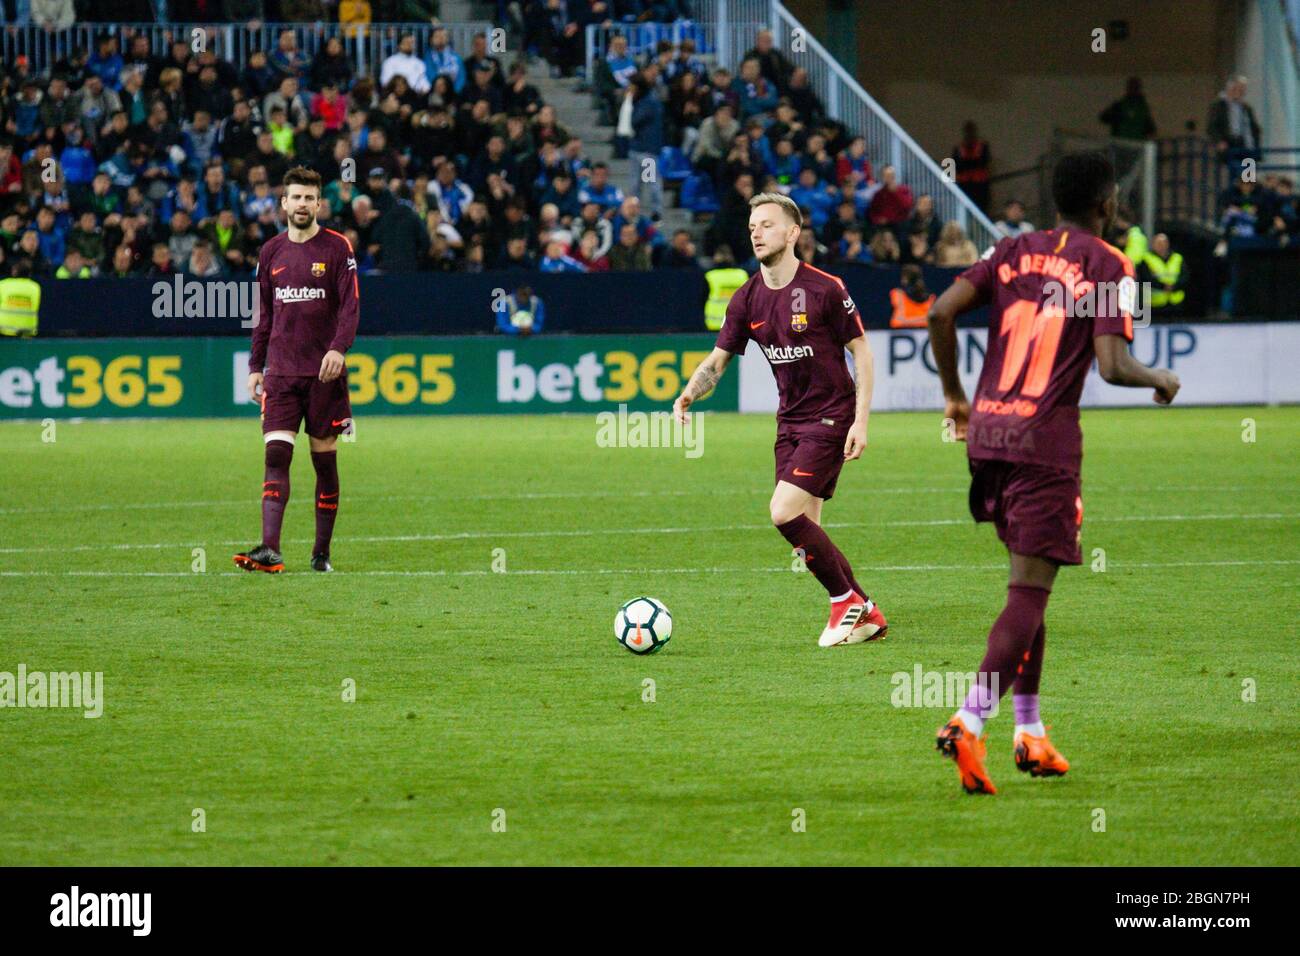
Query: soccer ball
[
  {"x": 523, "y": 319},
  {"x": 643, "y": 625}
]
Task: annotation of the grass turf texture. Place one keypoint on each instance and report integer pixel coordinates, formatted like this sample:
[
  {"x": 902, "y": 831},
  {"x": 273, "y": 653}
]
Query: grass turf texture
[{"x": 478, "y": 690}]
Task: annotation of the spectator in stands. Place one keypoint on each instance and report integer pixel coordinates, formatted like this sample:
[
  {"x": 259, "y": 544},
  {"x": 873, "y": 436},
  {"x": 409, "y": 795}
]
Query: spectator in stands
[
  {"x": 589, "y": 253},
  {"x": 817, "y": 197},
  {"x": 160, "y": 264},
  {"x": 227, "y": 238},
  {"x": 404, "y": 63},
  {"x": 258, "y": 77},
  {"x": 647, "y": 140},
  {"x": 810, "y": 250},
  {"x": 354, "y": 17},
  {"x": 202, "y": 263},
  {"x": 53, "y": 14},
  {"x": 480, "y": 58},
  {"x": 630, "y": 254},
  {"x": 181, "y": 238},
  {"x": 884, "y": 247},
  {"x": 1242, "y": 203},
  {"x": 211, "y": 95},
  {"x": 680, "y": 253},
  {"x": 687, "y": 105},
  {"x": 924, "y": 220},
  {"x": 686, "y": 62},
  {"x": 1282, "y": 213},
  {"x": 717, "y": 133},
  {"x": 28, "y": 252},
  {"x": 441, "y": 60},
  {"x": 756, "y": 93},
  {"x": 892, "y": 203},
  {"x": 1129, "y": 117},
  {"x": 402, "y": 238},
  {"x": 1232, "y": 126},
  {"x": 285, "y": 97},
  {"x": 1013, "y": 221},
  {"x": 772, "y": 63},
  {"x": 557, "y": 259},
  {"x": 953, "y": 248},
  {"x": 851, "y": 248},
  {"x": 972, "y": 160},
  {"x": 803, "y": 97},
  {"x": 288, "y": 60},
  {"x": 332, "y": 66},
  {"x": 846, "y": 214},
  {"x": 1163, "y": 269},
  {"x": 854, "y": 164},
  {"x": 74, "y": 267},
  {"x": 599, "y": 189}
]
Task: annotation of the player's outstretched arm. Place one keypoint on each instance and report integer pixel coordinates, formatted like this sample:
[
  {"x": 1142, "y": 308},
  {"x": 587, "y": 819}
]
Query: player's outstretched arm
[
  {"x": 864, "y": 367},
  {"x": 702, "y": 382},
  {"x": 956, "y": 299},
  {"x": 1118, "y": 367}
]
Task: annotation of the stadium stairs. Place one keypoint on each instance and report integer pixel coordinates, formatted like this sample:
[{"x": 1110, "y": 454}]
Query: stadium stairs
[{"x": 574, "y": 111}]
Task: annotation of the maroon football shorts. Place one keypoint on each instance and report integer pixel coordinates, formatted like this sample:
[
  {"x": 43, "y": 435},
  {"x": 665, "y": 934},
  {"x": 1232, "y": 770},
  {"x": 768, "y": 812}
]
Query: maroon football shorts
[
  {"x": 810, "y": 456},
  {"x": 289, "y": 399},
  {"x": 1037, "y": 510}
]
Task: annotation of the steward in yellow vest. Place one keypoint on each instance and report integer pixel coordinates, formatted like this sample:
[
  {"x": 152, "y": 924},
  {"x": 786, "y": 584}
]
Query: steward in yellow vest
[
  {"x": 724, "y": 279},
  {"x": 20, "y": 302},
  {"x": 1164, "y": 270}
]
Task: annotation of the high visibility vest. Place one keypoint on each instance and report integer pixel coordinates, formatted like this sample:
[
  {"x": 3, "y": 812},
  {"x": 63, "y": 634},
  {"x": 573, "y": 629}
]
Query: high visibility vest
[
  {"x": 972, "y": 162},
  {"x": 908, "y": 313},
  {"x": 20, "y": 301},
  {"x": 1165, "y": 271},
  {"x": 723, "y": 284},
  {"x": 1135, "y": 245}
]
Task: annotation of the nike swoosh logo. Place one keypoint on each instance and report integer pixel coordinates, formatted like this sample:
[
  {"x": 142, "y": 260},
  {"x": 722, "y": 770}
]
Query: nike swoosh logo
[
  {"x": 754, "y": 325},
  {"x": 343, "y": 422},
  {"x": 276, "y": 272},
  {"x": 804, "y": 474}
]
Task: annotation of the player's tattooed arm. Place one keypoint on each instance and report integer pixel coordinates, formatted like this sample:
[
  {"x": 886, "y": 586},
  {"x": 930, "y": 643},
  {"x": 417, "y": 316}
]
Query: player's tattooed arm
[
  {"x": 957, "y": 298},
  {"x": 706, "y": 376}
]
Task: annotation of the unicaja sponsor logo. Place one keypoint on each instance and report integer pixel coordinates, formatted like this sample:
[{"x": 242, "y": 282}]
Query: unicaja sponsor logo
[
  {"x": 79, "y": 690},
  {"x": 626, "y": 429},
  {"x": 783, "y": 354},
  {"x": 75, "y": 909},
  {"x": 948, "y": 689}
]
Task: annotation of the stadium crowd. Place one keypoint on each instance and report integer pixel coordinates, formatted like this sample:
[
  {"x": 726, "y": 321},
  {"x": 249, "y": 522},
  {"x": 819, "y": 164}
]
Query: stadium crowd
[{"x": 141, "y": 161}]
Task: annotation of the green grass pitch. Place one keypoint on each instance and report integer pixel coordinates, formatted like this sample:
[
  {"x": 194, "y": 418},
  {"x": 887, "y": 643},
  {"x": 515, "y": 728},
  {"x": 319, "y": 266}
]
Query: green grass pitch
[{"x": 486, "y": 697}]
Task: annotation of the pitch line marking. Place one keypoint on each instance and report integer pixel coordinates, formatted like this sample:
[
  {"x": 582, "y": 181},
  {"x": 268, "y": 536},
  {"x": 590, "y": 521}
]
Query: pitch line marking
[
  {"x": 561, "y": 495},
  {"x": 597, "y": 532},
  {"x": 543, "y": 572}
]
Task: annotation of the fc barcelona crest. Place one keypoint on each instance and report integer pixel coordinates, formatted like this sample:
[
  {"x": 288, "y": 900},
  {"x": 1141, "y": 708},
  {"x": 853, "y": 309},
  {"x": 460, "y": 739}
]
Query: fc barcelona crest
[
  {"x": 318, "y": 269},
  {"x": 799, "y": 321}
]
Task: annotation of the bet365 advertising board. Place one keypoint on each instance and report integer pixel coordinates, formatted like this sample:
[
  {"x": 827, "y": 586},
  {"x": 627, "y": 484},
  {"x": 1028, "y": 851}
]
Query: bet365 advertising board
[{"x": 102, "y": 378}]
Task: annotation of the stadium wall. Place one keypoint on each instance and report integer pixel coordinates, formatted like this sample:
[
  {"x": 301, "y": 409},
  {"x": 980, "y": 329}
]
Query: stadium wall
[
  {"x": 1239, "y": 364},
  {"x": 434, "y": 304}
]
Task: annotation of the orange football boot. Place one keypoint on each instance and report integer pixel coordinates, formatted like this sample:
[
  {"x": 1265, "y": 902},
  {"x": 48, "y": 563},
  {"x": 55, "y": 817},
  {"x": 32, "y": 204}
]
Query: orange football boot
[
  {"x": 960, "y": 745},
  {"x": 1037, "y": 757}
]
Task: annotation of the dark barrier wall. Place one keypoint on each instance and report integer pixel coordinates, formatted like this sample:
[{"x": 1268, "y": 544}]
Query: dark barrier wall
[{"x": 443, "y": 304}]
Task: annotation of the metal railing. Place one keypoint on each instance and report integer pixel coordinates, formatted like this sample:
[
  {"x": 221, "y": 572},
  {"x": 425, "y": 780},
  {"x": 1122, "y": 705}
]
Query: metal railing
[
  {"x": 732, "y": 26},
  {"x": 1194, "y": 175},
  {"x": 365, "y": 46}
]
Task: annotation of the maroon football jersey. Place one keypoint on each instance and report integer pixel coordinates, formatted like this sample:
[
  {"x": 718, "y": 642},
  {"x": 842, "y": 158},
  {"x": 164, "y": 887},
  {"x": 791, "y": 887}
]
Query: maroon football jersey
[
  {"x": 802, "y": 329},
  {"x": 310, "y": 303},
  {"x": 1050, "y": 292}
]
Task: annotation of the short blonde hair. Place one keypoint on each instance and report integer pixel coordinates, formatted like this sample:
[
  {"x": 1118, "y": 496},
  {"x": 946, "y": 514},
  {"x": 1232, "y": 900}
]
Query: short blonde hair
[{"x": 785, "y": 202}]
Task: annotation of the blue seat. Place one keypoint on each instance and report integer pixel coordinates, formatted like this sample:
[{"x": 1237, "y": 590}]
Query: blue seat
[
  {"x": 697, "y": 194},
  {"x": 674, "y": 167}
]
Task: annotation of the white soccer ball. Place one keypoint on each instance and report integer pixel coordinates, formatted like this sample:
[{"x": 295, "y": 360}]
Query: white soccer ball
[
  {"x": 523, "y": 319},
  {"x": 643, "y": 625}
]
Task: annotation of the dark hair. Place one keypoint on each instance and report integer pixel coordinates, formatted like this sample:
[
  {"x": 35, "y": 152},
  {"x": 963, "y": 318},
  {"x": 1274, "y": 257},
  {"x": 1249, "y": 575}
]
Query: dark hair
[
  {"x": 1081, "y": 183},
  {"x": 302, "y": 176}
]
